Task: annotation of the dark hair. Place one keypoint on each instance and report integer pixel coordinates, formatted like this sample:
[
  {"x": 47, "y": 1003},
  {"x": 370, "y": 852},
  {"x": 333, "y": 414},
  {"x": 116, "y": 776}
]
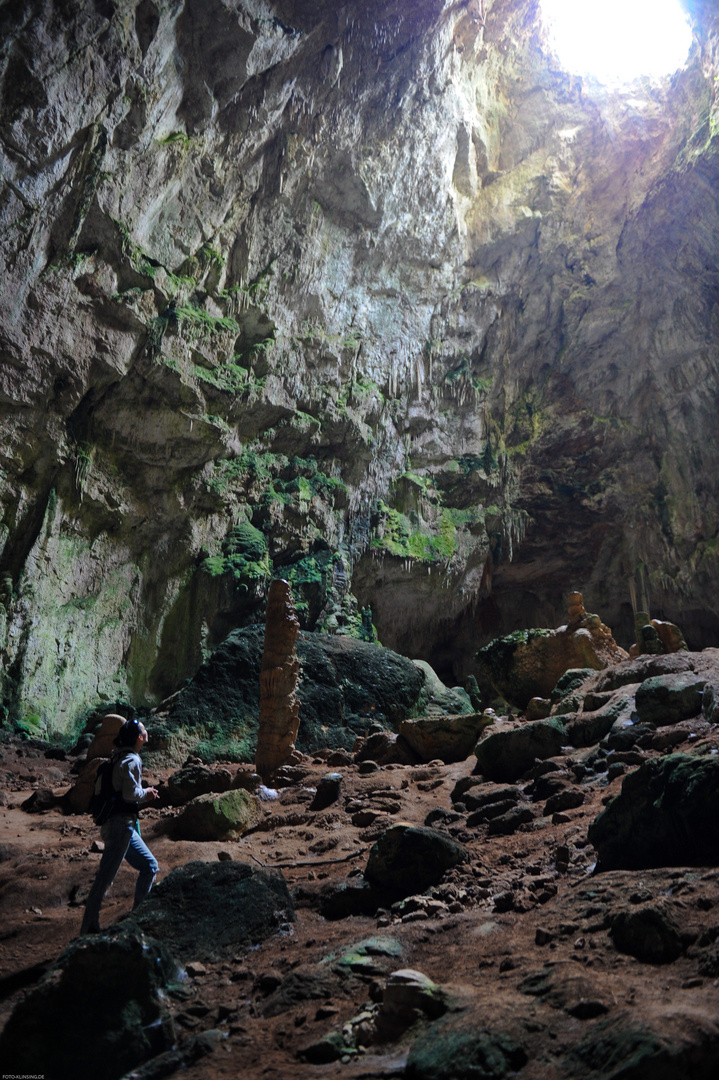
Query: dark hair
[{"x": 128, "y": 733}]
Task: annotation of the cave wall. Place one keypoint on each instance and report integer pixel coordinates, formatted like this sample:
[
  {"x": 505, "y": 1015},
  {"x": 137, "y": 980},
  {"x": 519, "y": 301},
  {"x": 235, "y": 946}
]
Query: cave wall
[{"x": 372, "y": 295}]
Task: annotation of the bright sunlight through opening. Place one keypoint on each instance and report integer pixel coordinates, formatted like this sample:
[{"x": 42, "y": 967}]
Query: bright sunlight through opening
[{"x": 616, "y": 41}]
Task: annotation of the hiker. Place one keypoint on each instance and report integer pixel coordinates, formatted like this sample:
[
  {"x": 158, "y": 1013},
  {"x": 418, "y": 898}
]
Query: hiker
[{"x": 120, "y": 832}]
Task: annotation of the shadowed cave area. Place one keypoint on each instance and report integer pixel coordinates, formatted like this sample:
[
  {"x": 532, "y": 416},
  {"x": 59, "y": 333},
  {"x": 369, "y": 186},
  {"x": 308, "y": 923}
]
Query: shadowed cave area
[{"x": 386, "y": 300}]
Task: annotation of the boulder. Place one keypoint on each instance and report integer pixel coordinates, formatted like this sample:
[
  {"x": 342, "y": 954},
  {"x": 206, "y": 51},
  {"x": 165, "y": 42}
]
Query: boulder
[
  {"x": 77, "y": 799},
  {"x": 674, "y": 1041},
  {"x": 439, "y": 699},
  {"x": 648, "y": 932},
  {"x": 408, "y": 859},
  {"x": 566, "y": 684},
  {"x": 42, "y": 799},
  {"x": 194, "y": 780},
  {"x": 482, "y": 794},
  {"x": 449, "y": 738},
  {"x": 346, "y": 686},
  {"x": 506, "y": 755},
  {"x": 528, "y": 663},
  {"x": 343, "y": 900},
  {"x": 218, "y": 817},
  {"x": 567, "y": 799},
  {"x": 99, "y": 1011},
  {"x": 587, "y": 728},
  {"x": 459, "y": 1049},
  {"x": 208, "y": 911},
  {"x": 328, "y": 791},
  {"x": 538, "y": 708},
  {"x": 407, "y": 995},
  {"x": 667, "y": 814},
  {"x": 490, "y": 811},
  {"x": 641, "y": 668},
  {"x": 668, "y": 699},
  {"x": 508, "y": 822},
  {"x": 104, "y": 741}
]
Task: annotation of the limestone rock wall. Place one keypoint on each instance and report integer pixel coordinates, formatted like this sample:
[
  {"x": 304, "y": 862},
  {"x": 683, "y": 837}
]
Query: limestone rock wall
[{"x": 372, "y": 296}]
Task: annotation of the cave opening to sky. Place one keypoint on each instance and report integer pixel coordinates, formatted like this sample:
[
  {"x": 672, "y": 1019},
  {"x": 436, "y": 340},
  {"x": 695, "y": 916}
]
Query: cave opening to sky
[{"x": 617, "y": 41}]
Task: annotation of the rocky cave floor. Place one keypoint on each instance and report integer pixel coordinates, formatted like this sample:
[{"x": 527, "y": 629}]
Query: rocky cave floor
[{"x": 521, "y": 932}]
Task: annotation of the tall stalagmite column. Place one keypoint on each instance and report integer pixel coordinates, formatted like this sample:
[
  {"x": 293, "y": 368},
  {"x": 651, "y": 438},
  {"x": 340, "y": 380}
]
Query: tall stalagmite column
[{"x": 279, "y": 707}]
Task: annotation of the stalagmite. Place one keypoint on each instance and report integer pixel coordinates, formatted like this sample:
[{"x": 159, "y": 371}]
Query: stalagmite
[{"x": 279, "y": 707}]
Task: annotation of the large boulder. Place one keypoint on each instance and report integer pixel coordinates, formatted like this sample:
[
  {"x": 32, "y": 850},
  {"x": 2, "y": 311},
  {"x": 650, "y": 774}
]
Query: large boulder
[
  {"x": 667, "y": 699},
  {"x": 529, "y": 663},
  {"x": 641, "y": 668},
  {"x": 648, "y": 932},
  {"x": 103, "y": 743},
  {"x": 440, "y": 699},
  {"x": 209, "y": 911},
  {"x": 458, "y": 1049},
  {"x": 218, "y": 817},
  {"x": 587, "y": 728},
  {"x": 98, "y": 1012},
  {"x": 78, "y": 797},
  {"x": 193, "y": 780},
  {"x": 346, "y": 685},
  {"x": 408, "y": 859},
  {"x": 667, "y": 814},
  {"x": 506, "y": 755},
  {"x": 449, "y": 738},
  {"x": 672, "y": 1041}
]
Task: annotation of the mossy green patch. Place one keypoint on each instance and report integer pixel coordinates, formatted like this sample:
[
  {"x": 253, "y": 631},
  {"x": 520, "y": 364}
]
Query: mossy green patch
[
  {"x": 203, "y": 323},
  {"x": 399, "y": 536},
  {"x": 244, "y": 557}
]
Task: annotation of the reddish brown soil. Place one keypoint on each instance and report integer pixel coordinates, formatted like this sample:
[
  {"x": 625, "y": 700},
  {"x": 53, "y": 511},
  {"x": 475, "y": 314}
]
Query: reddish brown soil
[{"x": 481, "y": 939}]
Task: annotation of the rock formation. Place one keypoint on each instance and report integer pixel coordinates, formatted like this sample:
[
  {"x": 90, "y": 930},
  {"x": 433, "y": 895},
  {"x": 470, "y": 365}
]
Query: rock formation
[
  {"x": 279, "y": 704},
  {"x": 376, "y": 297},
  {"x": 101, "y": 747},
  {"x": 347, "y": 686},
  {"x": 528, "y": 664},
  {"x": 469, "y": 930}
]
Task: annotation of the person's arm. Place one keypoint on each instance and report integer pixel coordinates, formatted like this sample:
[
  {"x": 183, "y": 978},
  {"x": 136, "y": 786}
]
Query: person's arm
[
  {"x": 130, "y": 774},
  {"x": 146, "y": 795},
  {"x": 128, "y": 779}
]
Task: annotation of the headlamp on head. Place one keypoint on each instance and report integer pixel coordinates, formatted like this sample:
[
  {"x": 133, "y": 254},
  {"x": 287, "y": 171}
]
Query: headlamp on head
[{"x": 129, "y": 733}]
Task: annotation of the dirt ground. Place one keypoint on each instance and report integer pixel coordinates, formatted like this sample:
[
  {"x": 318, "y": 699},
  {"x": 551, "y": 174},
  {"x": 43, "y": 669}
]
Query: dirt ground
[{"x": 524, "y": 907}]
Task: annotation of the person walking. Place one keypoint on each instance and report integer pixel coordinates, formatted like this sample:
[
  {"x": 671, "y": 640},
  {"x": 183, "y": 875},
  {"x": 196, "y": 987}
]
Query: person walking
[{"x": 120, "y": 832}]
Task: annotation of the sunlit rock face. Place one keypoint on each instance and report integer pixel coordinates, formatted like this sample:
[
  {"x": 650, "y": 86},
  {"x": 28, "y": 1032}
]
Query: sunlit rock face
[{"x": 372, "y": 296}]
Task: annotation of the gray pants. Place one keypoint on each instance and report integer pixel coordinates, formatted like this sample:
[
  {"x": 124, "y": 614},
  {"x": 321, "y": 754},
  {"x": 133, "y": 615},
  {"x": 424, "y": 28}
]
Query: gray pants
[{"x": 122, "y": 841}]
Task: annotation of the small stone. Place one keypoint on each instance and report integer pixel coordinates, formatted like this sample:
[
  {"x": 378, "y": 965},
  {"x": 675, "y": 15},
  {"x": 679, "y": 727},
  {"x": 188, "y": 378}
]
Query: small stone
[
  {"x": 195, "y": 968},
  {"x": 538, "y": 708},
  {"x": 325, "y": 1012},
  {"x": 568, "y": 799},
  {"x": 328, "y": 791},
  {"x": 504, "y": 901},
  {"x": 587, "y": 1009},
  {"x": 339, "y": 758},
  {"x": 97, "y": 847}
]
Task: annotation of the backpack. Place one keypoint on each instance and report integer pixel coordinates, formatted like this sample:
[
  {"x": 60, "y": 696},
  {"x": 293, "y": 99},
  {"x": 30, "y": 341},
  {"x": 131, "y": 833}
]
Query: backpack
[{"x": 104, "y": 797}]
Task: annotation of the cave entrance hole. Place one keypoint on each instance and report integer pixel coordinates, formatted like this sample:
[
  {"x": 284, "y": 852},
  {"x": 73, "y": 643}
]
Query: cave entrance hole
[{"x": 618, "y": 41}]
